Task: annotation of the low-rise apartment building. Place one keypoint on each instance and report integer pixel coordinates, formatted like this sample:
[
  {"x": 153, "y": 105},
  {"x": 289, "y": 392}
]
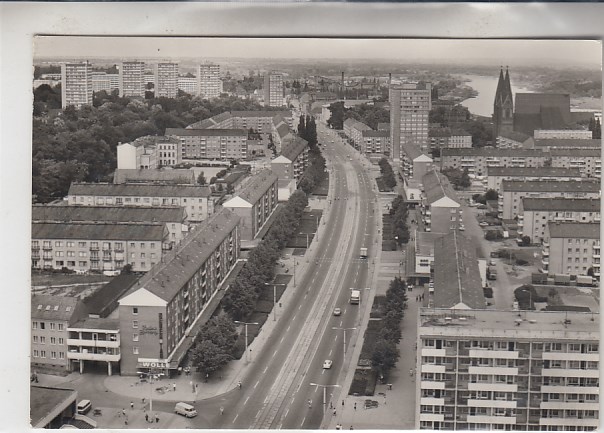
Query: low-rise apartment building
[
  {"x": 255, "y": 203},
  {"x": 575, "y": 134},
  {"x": 375, "y": 143},
  {"x": 94, "y": 341},
  {"x": 513, "y": 191},
  {"x": 495, "y": 175},
  {"x": 84, "y": 247},
  {"x": 460, "y": 139},
  {"x": 149, "y": 152},
  {"x": 478, "y": 160},
  {"x": 441, "y": 209},
  {"x": 536, "y": 213},
  {"x": 51, "y": 316},
  {"x": 514, "y": 140},
  {"x": 157, "y": 314},
  {"x": 281, "y": 132},
  {"x": 415, "y": 164},
  {"x": 547, "y": 144},
  {"x": 571, "y": 249},
  {"x": 173, "y": 218},
  {"x": 216, "y": 144},
  {"x": 501, "y": 370},
  {"x": 290, "y": 166},
  {"x": 171, "y": 176},
  {"x": 354, "y": 131},
  {"x": 588, "y": 160},
  {"x": 196, "y": 200}
]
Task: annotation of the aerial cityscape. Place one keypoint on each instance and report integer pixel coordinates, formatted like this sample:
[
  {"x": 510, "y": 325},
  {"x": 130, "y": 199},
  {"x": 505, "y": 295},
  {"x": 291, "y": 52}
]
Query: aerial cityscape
[{"x": 315, "y": 234}]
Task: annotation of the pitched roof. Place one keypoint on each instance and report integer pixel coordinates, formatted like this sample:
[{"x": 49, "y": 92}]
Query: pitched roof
[
  {"x": 166, "y": 278},
  {"x": 104, "y": 300},
  {"x": 262, "y": 113},
  {"x": 138, "y": 190},
  {"x": 561, "y": 204},
  {"x": 99, "y": 231},
  {"x": 439, "y": 132},
  {"x": 257, "y": 187},
  {"x": 283, "y": 130},
  {"x": 178, "y": 176},
  {"x": 460, "y": 133},
  {"x": 574, "y": 230},
  {"x": 294, "y": 147},
  {"x": 518, "y": 136},
  {"x": 192, "y": 132},
  {"x": 492, "y": 151},
  {"x": 568, "y": 142},
  {"x": 383, "y": 126},
  {"x": 53, "y": 307},
  {"x": 413, "y": 152},
  {"x": 95, "y": 323},
  {"x": 534, "y": 171},
  {"x": 45, "y": 400},
  {"x": 116, "y": 214},
  {"x": 551, "y": 186},
  {"x": 378, "y": 133},
  {"x": 437, "y": 186},
  {"x": 203, "y": 124},
  {"x": 585, "y": 152},
  {"x": 457, "y": 281}
]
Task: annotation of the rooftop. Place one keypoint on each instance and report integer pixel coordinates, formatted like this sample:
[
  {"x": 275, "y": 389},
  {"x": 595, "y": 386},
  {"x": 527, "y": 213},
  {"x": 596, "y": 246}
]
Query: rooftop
[
  {"x": 191, "y": 132},
  {"x": 44, "y": 400},
  {"x": 460, "y": 132},
  {"x": 383, "y": 126},
  {"x": 53, "y": 307},
  {"x": 99, "y": 231},
  {"x": 532, "y": 325},
  {"x": 437, "y": 186},
  {"x": 94, "y": 323},
  {"x": 413, "y": 151},
  {"x": 574, "y": 230},
  {"x": 551, "y": 185},
  {"x": 516, "y": 136},
  {"x": 178, "y": 176},
  {"x": 138, "y": 190},
  {"x": 166, "y": 278},
  {"x": 104, "y": 300},
  {"x": 582, "y": 152},
  {"x": 439, "y": 132},
  {"x": 258, "y": 186},
  {"x": 378, "y": 133},
  {"x": 294, "y": 147},
  {"x": 262, "y": 113},
  {"x": 424, "y": 242},
  {"x": 534, "y": 171},
  {"x": 568, "y": 142},
  {"x": 116, "y": 214},
  {"x": 457, "y": 281},
  {"x": 561, "y": 204},
  {"x": 492, "y": 151}
]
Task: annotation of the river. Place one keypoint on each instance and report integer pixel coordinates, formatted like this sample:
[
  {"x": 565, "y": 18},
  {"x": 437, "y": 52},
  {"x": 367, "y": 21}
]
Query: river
[{"x": 482, "y": 104}]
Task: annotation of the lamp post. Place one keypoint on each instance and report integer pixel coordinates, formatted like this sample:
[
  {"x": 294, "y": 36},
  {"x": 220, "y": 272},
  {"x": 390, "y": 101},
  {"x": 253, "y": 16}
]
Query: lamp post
[
  {"x": 247, "y": 355},
  {"x": 324, "y": 392},
  {"x": 274, "y": 297},
  {"x": 335, "y": 328}
]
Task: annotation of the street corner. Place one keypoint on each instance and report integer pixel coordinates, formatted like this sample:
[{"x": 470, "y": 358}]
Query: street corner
[{"x": 111, "y": 418}]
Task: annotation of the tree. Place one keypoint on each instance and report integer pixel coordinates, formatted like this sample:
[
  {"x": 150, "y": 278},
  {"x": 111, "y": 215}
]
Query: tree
[
  {"x": 201, "y": 179},
  {"x": 336, "y": 120},
  {"x": 302, "y": 127},
  {"x": 208, "y": 357},
  {"x": 597, "y": 132},
  {"x": 127, "y": 269},
  {"x": 491, "y": 194},
  {"x": 384, "y": 355}
]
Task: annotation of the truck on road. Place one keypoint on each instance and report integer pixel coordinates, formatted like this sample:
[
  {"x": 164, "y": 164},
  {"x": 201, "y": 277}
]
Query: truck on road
[
  {"x": 491, "y": 273},
  {"x": 355, "y": 296},
  {"x": 363, "y": 253}
]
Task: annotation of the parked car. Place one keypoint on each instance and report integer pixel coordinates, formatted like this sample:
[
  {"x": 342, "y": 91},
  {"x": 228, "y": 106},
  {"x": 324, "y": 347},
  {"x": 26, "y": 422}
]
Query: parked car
[
  {"x": 328, "y": 363},
  {"x": 483, "y": 224}
]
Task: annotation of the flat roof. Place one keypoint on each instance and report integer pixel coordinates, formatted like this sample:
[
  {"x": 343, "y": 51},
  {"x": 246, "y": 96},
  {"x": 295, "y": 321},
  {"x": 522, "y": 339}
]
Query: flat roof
[
  {"x": 551, "y": 185},
  {"x": 574, "y": 230},
  {"x": 44, "y": 400},
  {"x": 561, "y": 204},
  {"x": 506, "y": 324},
  {"x": 583, "y": 152},
  {"x": 214, "y": 132},
  {"x": 95, "y": 323},
  {"x": 569, "y": 142}
]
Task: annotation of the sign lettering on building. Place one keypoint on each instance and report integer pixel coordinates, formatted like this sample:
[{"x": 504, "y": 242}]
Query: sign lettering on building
[{"x": 148, "y": 330}]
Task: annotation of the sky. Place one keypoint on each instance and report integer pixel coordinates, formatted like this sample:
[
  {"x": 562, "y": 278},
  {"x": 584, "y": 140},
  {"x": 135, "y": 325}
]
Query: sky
[{"x": 560, "y": 52}]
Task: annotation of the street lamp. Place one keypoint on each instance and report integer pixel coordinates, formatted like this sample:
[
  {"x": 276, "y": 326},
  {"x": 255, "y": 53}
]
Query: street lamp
[
  {"x": 343, "y": 329},
  {"x": 324, "y": 392},
  {"x": 274, "y": 297},
  {"x": 247, "y": 355}
]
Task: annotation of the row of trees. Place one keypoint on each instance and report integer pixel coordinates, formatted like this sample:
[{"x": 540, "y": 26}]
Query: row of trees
[
  {"x": 307, "y": 129},
  {"x": 385, "y": 353},
  {"x": 595, "y": 128},
  {"x": 399, "y": 212},
  {"x": 387, "y": 177},
  {"x": 370, "y": 115}
]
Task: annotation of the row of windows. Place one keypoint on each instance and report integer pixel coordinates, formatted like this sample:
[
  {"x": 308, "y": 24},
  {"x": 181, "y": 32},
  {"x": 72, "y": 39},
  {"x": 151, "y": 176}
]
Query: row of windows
[
  {"x": 42, "y": 340},
  {"x": 51, "y": 326},
  {"x": 149, "y": 200},
  {"x": 94, "y": 244},
  {"x": 53, "y": 355}
]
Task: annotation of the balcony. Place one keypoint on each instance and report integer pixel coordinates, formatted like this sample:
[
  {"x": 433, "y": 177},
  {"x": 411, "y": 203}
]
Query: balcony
[
  {"x": 47, "y": 247},
  {"x": 93, "y": 343},
  {"x": 93, "y": 356},
  {"x": 94, "y": 248}
]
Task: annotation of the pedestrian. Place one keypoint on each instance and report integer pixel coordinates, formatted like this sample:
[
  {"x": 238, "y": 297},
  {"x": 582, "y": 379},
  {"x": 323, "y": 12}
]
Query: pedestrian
[
  {"x": 221, "y": 410},
  {"x": 143, "y": 400},
  {"x": 147, "y": 417},
  {"x": 196, "y": 386},
  {"x": 156, "y": 418},
  {"x": 342, "y": 403},
  {"x": 124, "y": 412},
  {"x": 351, "y": 428},
  {"x": 174, "y": 386},
  {"x": 207, "y": 376},
  {"x": 334, "y": 412},
  {"x": 131, "y": 405},
  {"x": 355, "y": 406}
]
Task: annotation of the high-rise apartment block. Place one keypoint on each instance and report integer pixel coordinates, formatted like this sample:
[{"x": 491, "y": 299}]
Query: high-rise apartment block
[
  {"x": 76, "y": 84},
  {"x": 410, "y": 105},
  {"x": 209, "y": 84},
  {"x": 166, "y": 80},
  {"x": 273, "y": 89},
  {"x": 507, "y": 370},
  {"x": 131, "y": 82}
]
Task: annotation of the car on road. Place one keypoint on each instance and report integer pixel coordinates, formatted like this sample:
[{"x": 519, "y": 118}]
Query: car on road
[
  {"x": 327, "y": 363},
  {"x": 337, "y": 311},
  {"x": 84, "y": 407},
  {"x": 185, "y": 410},
  {"x": 482, "y": 206},
  {"x": 491, "y": 262},
  {"x": 483, "y": 224}
]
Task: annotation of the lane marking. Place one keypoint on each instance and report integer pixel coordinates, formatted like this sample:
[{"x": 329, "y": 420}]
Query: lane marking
[
  {"x": 256, "y": 384},
  {"x": 282, "y": 339},
  {"x": 330, "y": 352},
  {"x": 246, "y": 400},
  {"x": 341, "y": 321},
  {"x": 323, "y": 371},
  {"x": 235, "y": 419},
  {"x": 274, "y": 353},
  {"x": 302, "y": 423},
  {"x": 265, "y": 369},
  {"x": 286, "y": 413}
]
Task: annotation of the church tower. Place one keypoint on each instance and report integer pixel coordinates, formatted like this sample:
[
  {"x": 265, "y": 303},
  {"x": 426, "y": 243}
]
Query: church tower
[{"x": 503, "y": 109}]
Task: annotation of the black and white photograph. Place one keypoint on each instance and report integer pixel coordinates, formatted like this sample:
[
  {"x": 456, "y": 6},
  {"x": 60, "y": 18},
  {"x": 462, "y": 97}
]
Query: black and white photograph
[{"x": 313, "y": 233}]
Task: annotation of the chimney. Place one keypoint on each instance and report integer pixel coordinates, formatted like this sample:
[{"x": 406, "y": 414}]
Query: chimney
[{"x": 389, "y": 78}]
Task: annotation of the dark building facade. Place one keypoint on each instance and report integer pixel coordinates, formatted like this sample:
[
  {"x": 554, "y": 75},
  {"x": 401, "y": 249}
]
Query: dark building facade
[{"x": 503, "y": 108}]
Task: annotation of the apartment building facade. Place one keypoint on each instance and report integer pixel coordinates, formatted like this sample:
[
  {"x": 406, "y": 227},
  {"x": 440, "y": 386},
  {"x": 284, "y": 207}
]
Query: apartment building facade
[
  {"x": 195, "y": 199},
  {"x": 577, "y": 134},
  {"x": 157, "y": 314},
  {"x": 188, "y": 85},
  {"x": 273, "y": 89},
  {"x": 571, "y": 249},
  {"x": 410, "y": 105},
  {"x": 103, "y": 81},
  {"x": 513, "y": 191},
  {"x": 85, "y": 247},
  {"x": 514, "y": 140},
  {"x": 255, "y": 203},
  {"x": 290, "y": 166},
  {"x": 94, "y": 341},
  {"x": 478, "y": 160},
  {"x": 441, "y": 209},
  {"x": 132, "y": 81},
  {"x": 415, "y": 164},
  {"x": 209, "y": 84},
  {"x": 216, "y": 144},
  {"x": 354, "y": 131},
  {"x": 588, "y": 161},
  {"x": 500, "y": 370},
  {"x": 166, "y": 80},
  {"x": 536, "y": 213},
  {"x": 375, "y": 143},
  {"x": 460, "y": 139},
  {"x": 76, "y": 84},
  {"x": 547, "y": 144},
  {"x": 51, "y": 316},
  {"x": 495, "y": 175}
]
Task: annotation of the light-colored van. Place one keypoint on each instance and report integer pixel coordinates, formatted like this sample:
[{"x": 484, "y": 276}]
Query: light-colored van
[
  {"x": 185, "y": 409},
  {"x": 84, "y": 407}
]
